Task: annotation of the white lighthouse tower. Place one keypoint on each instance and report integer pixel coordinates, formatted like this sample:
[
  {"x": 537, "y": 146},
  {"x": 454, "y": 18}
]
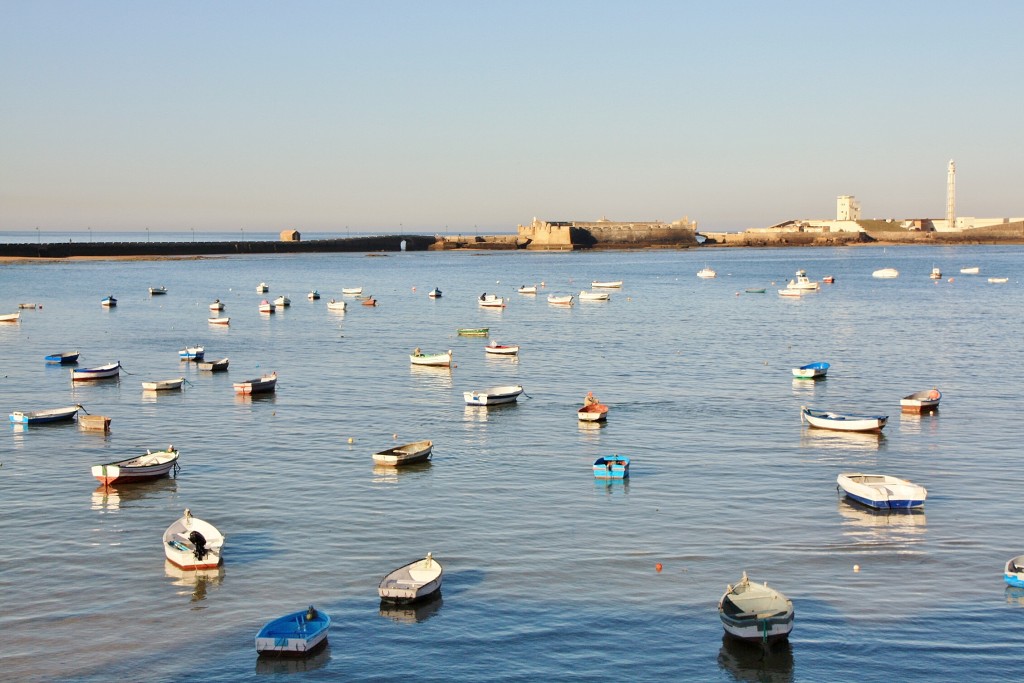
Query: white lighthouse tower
[{"x": 951, "y": 196}]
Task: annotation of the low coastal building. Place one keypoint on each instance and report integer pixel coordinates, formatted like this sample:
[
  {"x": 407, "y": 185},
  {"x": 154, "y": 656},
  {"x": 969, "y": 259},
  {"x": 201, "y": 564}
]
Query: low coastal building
[{"x": 290, "y": 236}]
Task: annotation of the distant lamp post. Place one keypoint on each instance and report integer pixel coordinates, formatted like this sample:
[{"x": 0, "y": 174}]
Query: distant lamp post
[
  {"x": 39, "y": 236},
  {"x": 147, "y": 233}
]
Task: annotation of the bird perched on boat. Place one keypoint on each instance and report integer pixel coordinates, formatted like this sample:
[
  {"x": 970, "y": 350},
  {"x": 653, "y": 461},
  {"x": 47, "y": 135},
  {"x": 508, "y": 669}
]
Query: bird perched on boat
[{"x": 590, "y": 399}]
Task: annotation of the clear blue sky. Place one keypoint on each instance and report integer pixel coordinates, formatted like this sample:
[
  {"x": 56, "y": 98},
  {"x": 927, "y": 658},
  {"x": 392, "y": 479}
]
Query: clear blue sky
[{"x": 322, "y": 115}]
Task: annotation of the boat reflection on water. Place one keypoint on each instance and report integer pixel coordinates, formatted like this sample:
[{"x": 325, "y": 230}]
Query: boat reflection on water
[
  {"x": 384, "y": 474},
  {"x": 757, "y": 663},
  {"x": 413, "y": 613},
  {"x": 591, "y": 426},
  {"x": 196, "y": 581},
  {"x": 612, "y": 487},
  {"x": 489, "y": 412},
  {"x": 275, "y": 664},
  {"x": 830, "y": 439},
  {"x": 1015, "y": 596},
  {"x": 255, "y": 399},
  {"x": 432, "y": 375},
  {"x": 893, "y": 527},
  {"x": 112, "y": 498},
  {"x": 915, "y": 423}
]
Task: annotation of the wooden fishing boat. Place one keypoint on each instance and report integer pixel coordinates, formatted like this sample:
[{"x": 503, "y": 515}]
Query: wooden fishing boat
[
  {"x": 219, "y": 321},
  {"x": 65, "y": 358},
  {"x": 921, "y": 401},
  {"x": 94, "y": 422},
  {"x": 217, "y": 305},
  {"x": 755, "y": 290},
  {"x": 611, "y": 467},
  {"x": 555, "y": 300},
  {"x": 352, "y": 290},
  {"x": 435, "y": 359},
  {"x": 811, "y": 371},
  {"x": 936, "y": 273},
  {"x": 496, "y": 349},
  {"x": 881, "y": 491},
  {"x": 972, "y": 270},
  {"x": 266, "y": 307},
  {"x": 40, "y": 416},
  {"x": 192, "y": 543},
  {"x": 333, "y": 305},
  {"x": 492, "y": 301},
  {"x": 296, "y": 634},
  {"x": 998, "y": 280},
  {"x": 594, "y": 296},
  {"x": 843, "y": 422},
  {"x": 435, "y": 293},
  {"x": 369, "y": 301},
  {"x": 282, "y": 301},
  {"x": 527, "y": 289},
  {"x": 473, "y": 331},
  {"x": 607, "y": 284},
  {"x": 262, "y": 288},
  {"x": 406, "y": 454},
  {"x": 194, "y": 353},
  {"x": 707, "y": 273},
  {"x": 313, "y": 295},
  {"x": 1013, "y": 572},
  {"x": 30, "y": 305},
  {"x": 164, "y": 384},
  {"x": 755, "y": 612},
  {"x": 150, "y": 465},
  {"x": 593, "y": 412},
  {"x": 10, "y": 317},
  {"x": 417, "y": 580},
  {"x": 153, "y": 291},
  {"x": 101, "y": 372},
  {"x": 258, "y": 385},
  {"x": 493, "y": 396},
  {"x": 886, "y": 273},
  {"x": 109, "y": 301},
  {"x": 219, "y": 365}
]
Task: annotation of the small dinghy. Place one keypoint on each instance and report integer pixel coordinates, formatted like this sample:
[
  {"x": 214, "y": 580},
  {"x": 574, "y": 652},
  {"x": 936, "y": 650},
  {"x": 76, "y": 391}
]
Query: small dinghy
[
  {"x": 844, "y": 422},
  {"x": 333, "y": 305},
  {"x": 972, "y": 270},
  {"x": 266, "y": 307},
  {"x": 415, "y": 581},
  {"x": 435, "y": 293},
  {"x": 608, "y": 284},
  {"x": 262, "y": 288},
  {"x": 886, "y": 273},
  {"x": 66, "y": 358},
  {"x": 611, "y": 467},
  {"x": 191, "y": 543},
  {"x": 1013, "y": 572},
  {"x": 436, "y": 359},
  {"x": 295, "y": 634},
  {"x": 140, "y": 468},
  {"x": 352, "y": 291},
  {"x": 154, "y": 291},
  {"x": 109, "y": 301},
  {"x": 369, "y": 301},
  {"x": 10, "y": 317},
  {"x": 101, "y": 372},
  {"x": 164, "y": 384},
  {"x": 921, "y": 401},
  {"x": 42, "y": 416},
  {"x": 473, "y": 331},
  {"x": 755, "y": 612},
  {"x": 217, "y": 305},
  {"x": 556, "y": 300},
  {"x": 811, "y": 371},
  {"x": 219, "y": 321},
  {"x": 99, "y": 423},
  {"x": 194, "y": 353},
  {"x": 258, "y": 385},
  {"x": 527, "y": 289},
  {"x": 594, "y": 296},
  {"x": 595, "y": 412},
  {"x": 219, "y": 365},
  {"x": 797, "y": 293},
  {"x": 407, "y": 454},
  {"x": 881, "y": 491},
  {"x": 492, "y": 301},
  {"x": 493, "y": 396},
  {"x": 496, "y": 349},
  {"x": 313, "y": 295},
  {"x": 282, "y": 301}
]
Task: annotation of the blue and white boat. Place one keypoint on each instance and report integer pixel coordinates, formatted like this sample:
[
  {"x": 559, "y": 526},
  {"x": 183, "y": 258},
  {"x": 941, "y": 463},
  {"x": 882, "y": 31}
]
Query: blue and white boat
[
  {"x": 1013, "y": 573},
  {"x": 843, "y": 422},
  {"x": 881, "y": 491},
  {"x": 296, "y": 634},
  {"x": 435, "y": 293},
  {"x": 611, "y": 467},
  {"x": 109, "y": 301},
  {"x": 66, "y": 358},
  {"x": 811, "y": 371},
  {"x": 192, "y": 353},
  {"x": 52, "y": 415},
  {"x": 101, "y": 372}
]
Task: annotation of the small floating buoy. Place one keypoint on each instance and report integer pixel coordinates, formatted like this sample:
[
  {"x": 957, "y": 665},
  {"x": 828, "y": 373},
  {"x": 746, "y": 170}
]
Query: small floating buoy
[
  {"x": 414, "y": 289},
  {"x": 856, "y": 567},
  {"x": 351, "y": 440},
  {"x": 657, "y": 567},
  {"x": 950, "y": 279},
  {"x": 394, "y": 436}
]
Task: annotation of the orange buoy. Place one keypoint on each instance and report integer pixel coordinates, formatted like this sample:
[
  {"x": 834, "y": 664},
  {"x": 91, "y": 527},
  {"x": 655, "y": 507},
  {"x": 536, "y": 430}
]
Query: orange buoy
[{"x": 657, "y": 567}]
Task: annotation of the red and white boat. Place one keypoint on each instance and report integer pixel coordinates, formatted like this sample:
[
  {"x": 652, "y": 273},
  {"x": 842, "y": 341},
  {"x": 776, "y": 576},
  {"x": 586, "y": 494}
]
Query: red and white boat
[
  {"x": 595, "y": 412},
  {"x": 496, "y": 349},
  {"x": 140, "y": 468},
  {"x": 266, "y": 307}
]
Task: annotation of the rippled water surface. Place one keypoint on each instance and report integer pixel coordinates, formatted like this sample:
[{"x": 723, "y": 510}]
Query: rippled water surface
[{"x": 548, "y": 574}]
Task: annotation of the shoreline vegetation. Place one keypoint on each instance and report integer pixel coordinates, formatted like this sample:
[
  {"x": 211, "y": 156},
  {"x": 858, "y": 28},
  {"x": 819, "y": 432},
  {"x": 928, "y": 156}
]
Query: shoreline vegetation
[{"x": 1006, "y": 234}]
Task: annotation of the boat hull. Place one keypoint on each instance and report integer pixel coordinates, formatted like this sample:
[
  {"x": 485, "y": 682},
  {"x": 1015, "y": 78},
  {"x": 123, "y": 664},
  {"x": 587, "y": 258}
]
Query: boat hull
[
  {"x": 756, "y": 612},
  {"x": 164, "y": 385},
  {"x": 611, "y": 467},
  {"x": 127, "y": 471},
  {"x": 502, "y": 350},
  {"x": 493, "y": 396},
  {"x": 293, "y": 635},
  {"x": 473, "y": 331},
  {"x": 596, "y": 412},
  {"x": 43, "y": 416},
  {"x": 408, "y": 454},
  {"x": 881, "y": 492},
  {"x": 921, "y": 401},
  {"x": 433, "y": 359},
  {"x": 63, "y": 358},
  {"x": 844, "y": 423},
  {"x": 213, "y": 365},
  {"x": 1013, "y": 572},
  {"x": 99, "y": 423},
  {"x": 419, "y": 580},
  {"x": 258, "y": 385},
  {"x": 102, "y": 372}
]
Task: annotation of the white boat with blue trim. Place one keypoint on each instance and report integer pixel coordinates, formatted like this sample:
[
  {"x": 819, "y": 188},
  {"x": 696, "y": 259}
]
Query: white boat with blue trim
[
  {"x": 296, "y": 634},
  {"x": 844, "y": 422},
  {"x": 811, "y": 371},
  {"x": 1013, "y": 572},
  {"x": 101, "y": 372},
  {"x": 493, "y": 396},
  {"x": 40, "y": 416},
  {"x": 881, "y": 491},
  {"x": 756, "y": 612}
]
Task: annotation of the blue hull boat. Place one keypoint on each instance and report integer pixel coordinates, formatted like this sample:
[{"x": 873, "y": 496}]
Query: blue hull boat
[
  {"x": 192, "y": 353},
  {"x": 1013, "y": 574},
  {"x": 295, "y": 634},
  {"x": 811, "y": 371},
  {"x": 63, "y": 358},
  {"x": 611, "y": 467}
]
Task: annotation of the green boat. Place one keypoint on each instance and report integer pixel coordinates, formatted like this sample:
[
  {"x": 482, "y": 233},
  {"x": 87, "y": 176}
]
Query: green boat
[
  {"x": 755, "y": 291},
  {"x": 473, "y": 331}
]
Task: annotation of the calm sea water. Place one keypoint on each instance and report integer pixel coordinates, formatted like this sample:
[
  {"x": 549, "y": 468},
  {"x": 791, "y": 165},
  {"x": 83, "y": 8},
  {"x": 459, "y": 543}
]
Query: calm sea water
[{"x": 548, "y": 575}]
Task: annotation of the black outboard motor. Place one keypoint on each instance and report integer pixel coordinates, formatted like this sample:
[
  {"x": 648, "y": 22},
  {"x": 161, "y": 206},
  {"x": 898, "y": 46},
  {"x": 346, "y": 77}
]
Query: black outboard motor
[{"x": 199, "y": 541}]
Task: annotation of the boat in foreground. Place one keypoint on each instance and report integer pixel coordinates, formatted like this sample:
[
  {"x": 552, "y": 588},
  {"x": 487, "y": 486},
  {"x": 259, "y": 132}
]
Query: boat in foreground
[
  {"x": 94, "y": 422},
  {"x": 921, "y": 401},
  {"x": 611, "y": 467},
  {"x": 258, "y": 385},
  {"x": 756, "y": 612},
  {"x": 496, "y": 349},
  {"x": 844, "y": 422},
  {"x": 811, "y": 370},
  {"x": 407, "y": 454},
  {"x": 192, "y": 543},
  {"x": 40, "y": 416},
  {"x": 881, "y": 491},
  {"x": 415, "y": 581},
  {"x": 435, "y": 359},
  {"x": 296, "y": 634},
  {"x": 150, "y": 465},
  {"x": 66, "y": 358},
  {"x": 493, "y": 396},
  {"x": 473, "y": 331},
  {"x": 218, "y": 365},
  {"x": 101, "y": 372},
  {"x": 886, "y": 273},
  {"x": 10, "y": 317},
  {"x": 164, "y": 384},
  {"x": 192, "y": 353},
  {"x": 1013, "y": 572},
  {"x": 594, "y": 412}
]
